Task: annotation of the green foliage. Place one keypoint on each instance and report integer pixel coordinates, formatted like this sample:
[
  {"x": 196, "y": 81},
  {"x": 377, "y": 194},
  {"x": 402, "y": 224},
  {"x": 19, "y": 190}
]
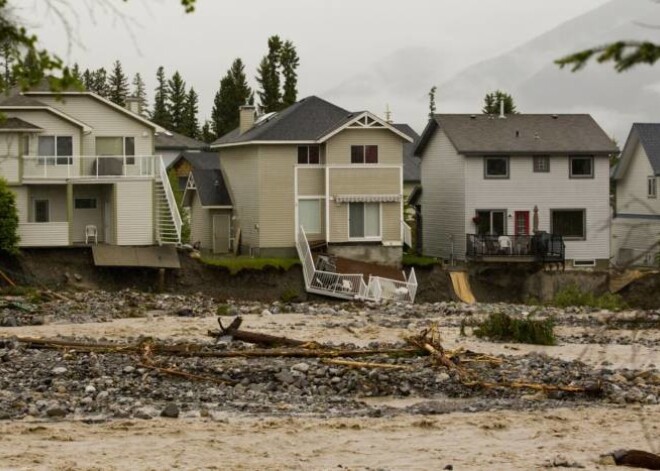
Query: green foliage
[
  {"x": 8, "y": 220},
  {"x": 573, "y": 296},
  {"x": 411, "y": 260},
  {"x": 492, "y": 103},
  {"x": 190, "y": 125},
  {"x": 289, "y": 295},
  {"x": 222, "y": 310},
  {"x": 205, "y": 134},
  {"x": 99, "y": 82},
  {"x": 268, "y": 76},
  {"x": 502, "y": 327},
  {"x": 118, "y": 85},
  {"x": 234, "y": 92},
  {"x": 290, "y": 61},
  {"x": 237, "y": 264},
  {"x": 178, "y": 197},
  {"x": 432, "y": 92},
  {"x": 177, "y": 102},
  {"x": 140, "y": 92},
  {"x": 161, "y": 113},
  {"x": 624, "y": 55}
]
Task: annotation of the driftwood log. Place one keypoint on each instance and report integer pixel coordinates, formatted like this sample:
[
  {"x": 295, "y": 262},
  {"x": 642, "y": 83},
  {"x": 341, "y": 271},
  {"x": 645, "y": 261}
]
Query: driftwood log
[
  {"x": 636, "y": 459},
  {"x": 256, "y": 338}
]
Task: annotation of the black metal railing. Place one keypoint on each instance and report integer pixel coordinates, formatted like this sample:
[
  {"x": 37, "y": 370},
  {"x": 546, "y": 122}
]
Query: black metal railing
[{"x": 542, "y": 247}]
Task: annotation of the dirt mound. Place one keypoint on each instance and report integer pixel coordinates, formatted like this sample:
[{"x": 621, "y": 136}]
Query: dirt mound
[{"x": 643, "y": 293}]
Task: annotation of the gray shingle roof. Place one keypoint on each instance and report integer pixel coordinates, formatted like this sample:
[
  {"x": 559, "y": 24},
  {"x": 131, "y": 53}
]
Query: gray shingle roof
[
  {"x": 305, "y": 120},
  {"x": 211, "y": 187},
  {"x": 411, "y": 163},
  {"x": 9, "y": 124},
  {"x": 649, "y": 138},
  {"x": 177, "y": 141},
  {"x": 202, "y": 160},
  {"x": 521, "y": 134},
  {"x": 21, "y": 100}
]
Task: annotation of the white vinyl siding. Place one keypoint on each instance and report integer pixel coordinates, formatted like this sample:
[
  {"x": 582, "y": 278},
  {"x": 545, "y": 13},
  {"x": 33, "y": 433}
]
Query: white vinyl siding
[
  {"x": 635, "y": 241},
  {"x": 53, "y": 234},
  {"x": 134, "y": 213},
  {"x": 201, "y": 223},
  {"x": 9, "y": 157},
  {"x": 632, "y": 190}
]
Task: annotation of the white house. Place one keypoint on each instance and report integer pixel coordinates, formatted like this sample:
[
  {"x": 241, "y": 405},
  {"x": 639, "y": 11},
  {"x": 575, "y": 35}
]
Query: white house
[
  {"x": 83, "y": 170},
  {"x": 636, "y": 223},
  {"x": 516, "y": 188}
]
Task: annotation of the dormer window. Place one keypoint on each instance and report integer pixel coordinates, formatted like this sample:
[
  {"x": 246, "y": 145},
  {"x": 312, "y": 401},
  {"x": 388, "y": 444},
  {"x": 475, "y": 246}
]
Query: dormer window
[
  {"x": 309, "y": 155},
  {"x": 541, "y": 164},
  {"x": 652, "y": 187},
  {"x": 496, "y": 167},
  {"x": 581, "y": 167},
  {"x": 364, "y": 154}
]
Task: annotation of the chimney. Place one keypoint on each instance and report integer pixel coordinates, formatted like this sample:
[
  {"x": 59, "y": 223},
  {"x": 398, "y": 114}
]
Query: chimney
[
  {"x": 133, "y": 104},
  {"x": 502, "y": 115},
  {"x": 246, "y": 118}
]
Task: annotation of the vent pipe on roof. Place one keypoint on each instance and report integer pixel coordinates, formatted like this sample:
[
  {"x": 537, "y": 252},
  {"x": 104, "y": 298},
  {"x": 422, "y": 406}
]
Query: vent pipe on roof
[
  {"x": 388, "y": 114},
  {"x": 502, "y": 115}
]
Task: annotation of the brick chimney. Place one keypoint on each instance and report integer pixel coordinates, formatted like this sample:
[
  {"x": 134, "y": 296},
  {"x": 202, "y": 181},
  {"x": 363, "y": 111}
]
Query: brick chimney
[
  {"x": 133, "y": 104},
  {"x": 246, "y": 118}
]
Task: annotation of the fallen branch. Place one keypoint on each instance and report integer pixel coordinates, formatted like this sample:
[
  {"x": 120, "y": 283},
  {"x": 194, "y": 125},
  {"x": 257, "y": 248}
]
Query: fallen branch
[
  {"x": 185, "y": 374},
  {"x": 533, "y": 386},
  {"x": 264, "y": 340},
  {"x": 365, "y": 364},
  {"x": 7, "y": 279}
]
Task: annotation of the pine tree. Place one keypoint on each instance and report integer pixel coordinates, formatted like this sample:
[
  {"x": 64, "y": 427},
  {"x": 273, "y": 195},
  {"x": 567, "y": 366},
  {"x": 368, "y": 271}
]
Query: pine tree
[
  {"x": 270, "y": 96},
  {"x": 290, "y": 61},
  {"x": 234, "y": 92},
  {"x": 140, "y": 92},
  {"x": 206, "y": 134},
  {"x": 99, "y": 83},
  {"x": 177, "y": 101},
  {"x": 75, "y": 73},
  {"x": 87, "y": 79},
  {"x": 117, "y": 85},
  {"x": 161, "y": 113},
  {"x": 190, "y": 122},
  {"x": 7, "y": 77},
  {"x": 493, "y": 100},
  {"x": 432, "y": 101}
]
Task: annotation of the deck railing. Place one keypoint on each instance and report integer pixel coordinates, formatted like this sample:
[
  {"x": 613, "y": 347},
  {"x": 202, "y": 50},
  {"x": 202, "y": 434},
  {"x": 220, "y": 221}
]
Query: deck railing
[
  {"x": 406, "y": 233},
  {"x": 89, "y": 166},
  {"x": 541, "y": 247},
  {"x": 169, "y": 196}
]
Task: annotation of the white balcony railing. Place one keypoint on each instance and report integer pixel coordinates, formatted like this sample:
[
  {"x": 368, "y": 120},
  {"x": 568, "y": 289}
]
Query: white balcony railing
[
  {"x": 89, "y": 167},
  {"x": 406, "y": 233}
]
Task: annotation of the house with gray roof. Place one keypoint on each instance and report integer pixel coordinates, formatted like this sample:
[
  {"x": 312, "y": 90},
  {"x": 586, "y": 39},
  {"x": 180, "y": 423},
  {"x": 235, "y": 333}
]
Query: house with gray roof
[
  {"x": 314, "y": 165},
  {"x": 636, "y": 223},
  {"x": 516, "y": 188},
  {"x": 170, "y": 145}
]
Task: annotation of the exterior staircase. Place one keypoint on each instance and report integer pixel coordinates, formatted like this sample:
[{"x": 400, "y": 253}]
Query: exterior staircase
[{"x": 168, "y": 219}]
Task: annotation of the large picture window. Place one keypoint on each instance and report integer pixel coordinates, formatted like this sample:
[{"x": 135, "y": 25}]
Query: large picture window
[
  {"x": 309, "y": 155},
  {"x": 569, "y": 223},
  {"x": 117, "y": 146},
  {"x": 364, "y": 221},
  {"x": 364, "y": 154},
  {"x": 496, "y": 167},
  {"x": 581, "y": 167},
  {"x": 309, "y": 216},
  {"x": 55, "y": 150}
]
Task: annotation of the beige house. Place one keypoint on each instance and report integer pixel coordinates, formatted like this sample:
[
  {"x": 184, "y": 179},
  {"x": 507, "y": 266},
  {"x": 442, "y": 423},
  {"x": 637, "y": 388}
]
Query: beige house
[
  {"x": 636, "y": 223},
  {"x": 516, "y": 188},
  {"x": 337, "y": 174},
  {"x": 84, "y": 171}
]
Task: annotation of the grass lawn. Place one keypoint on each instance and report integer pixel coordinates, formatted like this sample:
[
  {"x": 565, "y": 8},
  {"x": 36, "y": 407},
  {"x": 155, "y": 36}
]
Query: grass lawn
[
  {"x": 410, "y": 260},
  {"x": 238, "y": 264}
]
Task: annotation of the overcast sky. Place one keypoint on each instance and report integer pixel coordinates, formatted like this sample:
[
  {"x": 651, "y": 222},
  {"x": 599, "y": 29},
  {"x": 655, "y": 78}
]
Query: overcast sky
[{"x": 336, "y": 39}]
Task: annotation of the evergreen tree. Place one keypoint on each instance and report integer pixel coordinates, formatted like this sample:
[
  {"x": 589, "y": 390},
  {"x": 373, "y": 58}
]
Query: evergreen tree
[
  {"x": 270, "y": 96},
  {"x": 234, "y": 92},
  {"x": 8, "y": 220},
  {"x": 99, "y": 83},
  {"x": 87, "y": 79},
  {"x": 493, "y": 100},
  {"x": 7, "y": 77},
  {"x": 140, "y": 92},
  {"x": 290, "y": 61},
  {"x": 117, "y": 85},
  {"x": 206, "y": 134},
  {"x": 432, "y": 101},
  {"x": 76, "y": 74},
  {"x": 177, "y": 101},
  {"x": 161, "y": 113},
  {"x": 190, "y": 122}
]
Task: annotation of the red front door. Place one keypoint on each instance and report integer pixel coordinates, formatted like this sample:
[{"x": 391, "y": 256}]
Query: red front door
[{"x": 522, "y": 222}]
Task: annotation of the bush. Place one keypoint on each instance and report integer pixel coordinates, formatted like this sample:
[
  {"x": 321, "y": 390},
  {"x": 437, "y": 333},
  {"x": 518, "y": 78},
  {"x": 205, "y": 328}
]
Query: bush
[
  {"x": 502, "y": 327},
  {"x": 8, "y": 220},
  {"x": 573, "y": 296},
  {"x": 289, "y": 295},
  {"x": 237, "y": 264},
  {"x": 411, "y": 260}
]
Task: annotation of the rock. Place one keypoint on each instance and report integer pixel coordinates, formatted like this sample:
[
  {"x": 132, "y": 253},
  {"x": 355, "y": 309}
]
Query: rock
[
  {"x": 171, "y": 411},
  {"x": 145, "y": 413},
  {"x": 129, "y": 369},
  {"x": 56, "y": 412},
  {"x": 59, "y": 370},
  {"x": 302, "y": 367},
  {"x": 442, "y": 377},
  {"x": 266, "y": 313},
  {"x": 285, "y": 377},
  {"x": 90, "y": 389},
  {"x": 77, "y": 277}
]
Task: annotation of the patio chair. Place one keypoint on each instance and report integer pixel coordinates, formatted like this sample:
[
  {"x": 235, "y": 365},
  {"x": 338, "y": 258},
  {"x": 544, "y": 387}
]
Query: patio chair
[{"x": 91, "y": 233}]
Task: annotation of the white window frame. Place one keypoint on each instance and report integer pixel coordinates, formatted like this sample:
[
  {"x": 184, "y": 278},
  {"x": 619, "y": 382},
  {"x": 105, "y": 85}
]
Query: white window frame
[
  {"x": 314, "y": 231},
  {"x": 544, "y": 167},
  {"x": 497, "y": 177},
  {"x": 377, "y": 238},
  {"x": 581, "y": 157},
  {"x": 128, "y": 159},
  {"x": 53, "y": 159},
  {"x": 652, "y": 187},
  {"x": 34, "y": 210}
]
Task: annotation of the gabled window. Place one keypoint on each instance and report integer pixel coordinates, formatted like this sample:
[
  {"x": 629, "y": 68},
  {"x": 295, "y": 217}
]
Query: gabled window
[
  {"x": 541, "y": 164},
  {"x": 496, "y": 167},
  {"x": 652, "y": 187},
  {"x": 309, "y": 155},
  {"x": 581, "y": 167},
  {"x": 55, "y": 150},
  {"x": 364, "y": 154},
  {"x": 569, "y": 223}
]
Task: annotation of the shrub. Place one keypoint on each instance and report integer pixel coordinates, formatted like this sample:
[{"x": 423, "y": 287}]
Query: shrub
[
  {"x": 573, "y": 296},
  {"x": 500, "y": 326},
  {"x": 289, "y": 295},
  {"x": 8, "y": 220},
  {"x": 237, "y": 264},
  {"x": 411, "y": 260}
]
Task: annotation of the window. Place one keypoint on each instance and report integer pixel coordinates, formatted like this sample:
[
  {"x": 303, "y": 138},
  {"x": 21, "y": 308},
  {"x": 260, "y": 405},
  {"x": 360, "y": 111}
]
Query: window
[
  {"x": 25, "y": 145},
  {"x": 490, "y": 222},
  {"x": 85, "y": 203},
  {"x": 117, "y": 146},
  {"x": 309, "y": 215},
  {"x": 55, "y": 150},
  {"x": 309, "y": 155},
  {"x": 569, "y": 223},
  {"x": 541, "y": 164},
  {"x": 41, "y": 211},
  {"x": 581, "y": 167},
  {"x": 364, "y": 220},
  {"x": 364, "y": 154},
  {"x": 496, "y": 167},
  {"x": 652, "y": 187}
]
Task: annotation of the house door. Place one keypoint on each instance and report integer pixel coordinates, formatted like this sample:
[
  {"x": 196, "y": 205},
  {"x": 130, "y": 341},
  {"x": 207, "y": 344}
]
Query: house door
[
  {"x": 221, "y": 235},
  {"x": 522, "y": 222}
]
